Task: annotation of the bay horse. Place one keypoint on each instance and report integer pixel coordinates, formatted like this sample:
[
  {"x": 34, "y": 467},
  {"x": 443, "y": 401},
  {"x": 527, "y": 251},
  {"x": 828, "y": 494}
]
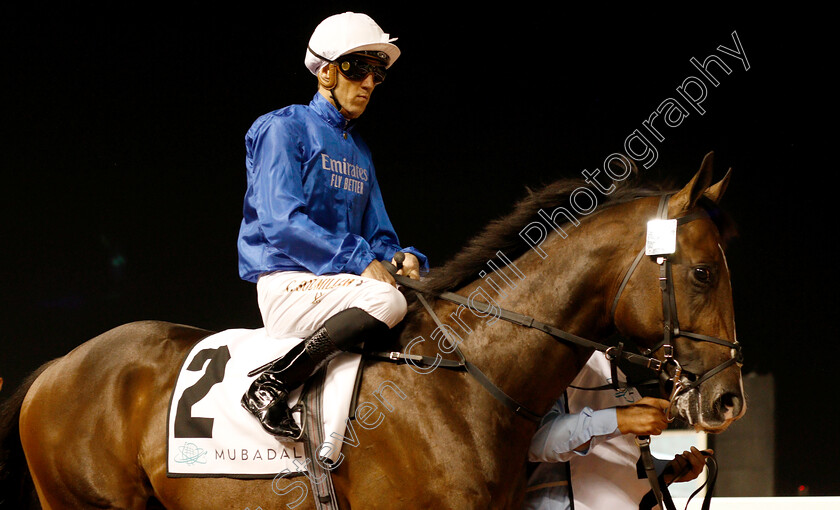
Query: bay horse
[{"x": 92, "y": 424}]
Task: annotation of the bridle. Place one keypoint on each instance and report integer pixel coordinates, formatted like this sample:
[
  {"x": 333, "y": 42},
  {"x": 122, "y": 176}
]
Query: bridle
[
  {"x": 671, "y": 330},
  {"x": 671, "y": 324},
  {"x": 668, "y": 369},
  {"x": 613, "y": 353}
]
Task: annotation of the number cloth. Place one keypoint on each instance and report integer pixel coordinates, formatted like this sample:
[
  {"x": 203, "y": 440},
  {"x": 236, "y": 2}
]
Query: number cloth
[{"x": 210, "y": 434}]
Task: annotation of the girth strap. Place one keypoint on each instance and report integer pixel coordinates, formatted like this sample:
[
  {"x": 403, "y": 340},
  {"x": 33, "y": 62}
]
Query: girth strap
[{"x": 320, "y": 478}]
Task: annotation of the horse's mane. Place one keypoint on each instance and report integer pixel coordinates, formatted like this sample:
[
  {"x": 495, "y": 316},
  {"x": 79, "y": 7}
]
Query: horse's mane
[{"x": 502, "y": 234}]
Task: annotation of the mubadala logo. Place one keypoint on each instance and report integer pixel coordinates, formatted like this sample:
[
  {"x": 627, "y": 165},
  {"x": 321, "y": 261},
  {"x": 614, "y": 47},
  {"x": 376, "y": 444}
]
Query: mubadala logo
[
  {"x": 256, "y": 454},
  {"x": 190, "y": 453}
]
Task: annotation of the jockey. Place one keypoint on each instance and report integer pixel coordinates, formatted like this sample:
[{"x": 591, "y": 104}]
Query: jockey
[{"x": 314, "y": 228}]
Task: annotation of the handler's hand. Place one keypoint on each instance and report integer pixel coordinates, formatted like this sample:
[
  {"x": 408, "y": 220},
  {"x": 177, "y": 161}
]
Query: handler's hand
[
  {"x": 377, "y": 271},
  {"x": 410, "y": 266},
  {"x": 643, "y": 418},
  {"x": 688, "y": 465}
]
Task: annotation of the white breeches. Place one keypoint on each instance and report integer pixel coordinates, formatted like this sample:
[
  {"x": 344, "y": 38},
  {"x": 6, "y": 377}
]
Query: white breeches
[{"x": 298, "y": 301}]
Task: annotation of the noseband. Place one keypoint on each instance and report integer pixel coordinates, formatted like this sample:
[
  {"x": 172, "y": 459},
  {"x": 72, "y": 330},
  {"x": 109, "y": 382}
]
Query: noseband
[
  {"x": 671, "y": 331},
  {"x": 613, "y": 353}
]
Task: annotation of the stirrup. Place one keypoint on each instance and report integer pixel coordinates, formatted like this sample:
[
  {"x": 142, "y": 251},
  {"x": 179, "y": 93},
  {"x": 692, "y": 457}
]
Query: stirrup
[
  {"x": 285, "y": 429},
  {"x": 292, "y": 438}
]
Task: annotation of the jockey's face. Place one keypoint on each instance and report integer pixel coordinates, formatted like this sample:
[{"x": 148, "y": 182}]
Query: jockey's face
[{"x": 353, "y": 94}]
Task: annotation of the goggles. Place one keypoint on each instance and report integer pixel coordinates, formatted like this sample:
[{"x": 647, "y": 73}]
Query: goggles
[{"x": 356, "y": 68}]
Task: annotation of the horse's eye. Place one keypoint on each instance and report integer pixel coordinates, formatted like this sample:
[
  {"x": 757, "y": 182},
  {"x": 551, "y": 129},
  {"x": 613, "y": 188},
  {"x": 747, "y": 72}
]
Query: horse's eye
[{"x": 702, "y": 275}]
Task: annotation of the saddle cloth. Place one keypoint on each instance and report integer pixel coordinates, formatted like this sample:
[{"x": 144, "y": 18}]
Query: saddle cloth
[{"x": 210, "y": 434}]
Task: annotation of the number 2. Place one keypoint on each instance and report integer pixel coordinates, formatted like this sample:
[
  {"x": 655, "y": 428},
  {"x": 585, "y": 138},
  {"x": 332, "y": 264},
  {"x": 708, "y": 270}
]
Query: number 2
[{"x": 185, "y": 424}]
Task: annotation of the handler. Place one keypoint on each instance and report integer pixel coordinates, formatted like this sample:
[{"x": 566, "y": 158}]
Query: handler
[
  {"x": 314, "y": 226},
  {"x": 586, "y": 447}
]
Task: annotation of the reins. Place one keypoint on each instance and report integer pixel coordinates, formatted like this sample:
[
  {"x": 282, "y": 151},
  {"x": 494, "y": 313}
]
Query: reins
[
  {"x": 509, "y": 316},
  {"x": 612, "y": 352},
  {"x": 671, "y": 325},
  {"x": 671, "y": 330}
]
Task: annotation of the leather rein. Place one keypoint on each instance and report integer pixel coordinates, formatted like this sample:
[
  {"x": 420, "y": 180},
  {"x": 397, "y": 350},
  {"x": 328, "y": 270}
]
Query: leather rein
[{"x": 671, "y": 331}]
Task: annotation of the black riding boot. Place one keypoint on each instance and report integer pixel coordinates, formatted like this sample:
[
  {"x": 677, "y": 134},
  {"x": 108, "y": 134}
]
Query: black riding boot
[{"x": 267, "y": 396}]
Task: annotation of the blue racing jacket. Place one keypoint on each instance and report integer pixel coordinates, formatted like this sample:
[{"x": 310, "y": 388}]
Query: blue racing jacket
[{"x": 312, "y": 202}]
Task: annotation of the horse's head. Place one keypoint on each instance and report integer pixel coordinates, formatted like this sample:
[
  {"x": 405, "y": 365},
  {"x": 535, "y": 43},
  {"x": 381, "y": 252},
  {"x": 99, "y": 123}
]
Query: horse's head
[{"x": 684, "y": 300}]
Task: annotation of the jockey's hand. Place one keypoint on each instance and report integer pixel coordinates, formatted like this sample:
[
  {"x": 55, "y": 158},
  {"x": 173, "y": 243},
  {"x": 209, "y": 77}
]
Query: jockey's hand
[
  {"x": 410, "y": 266},
  {"x": 643, "y": 418},
  {"x": 688, "y": 465},
  {"x": 377, "y": 271}
]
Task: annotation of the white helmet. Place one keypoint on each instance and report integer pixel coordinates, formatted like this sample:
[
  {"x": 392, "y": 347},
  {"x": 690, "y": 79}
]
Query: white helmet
[{"x": 347, "y": 33}]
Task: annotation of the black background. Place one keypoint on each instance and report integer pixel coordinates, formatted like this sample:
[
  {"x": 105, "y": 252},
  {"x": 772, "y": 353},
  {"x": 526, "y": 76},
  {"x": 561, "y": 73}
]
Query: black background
[{"x": 123, "y": 160}]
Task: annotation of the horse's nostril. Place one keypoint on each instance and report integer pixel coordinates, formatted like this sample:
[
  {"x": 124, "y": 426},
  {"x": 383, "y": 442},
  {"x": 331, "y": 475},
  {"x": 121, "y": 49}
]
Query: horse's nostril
[
  {"x": 690, "y": 376},
  {"x": 728, "y": 401}
]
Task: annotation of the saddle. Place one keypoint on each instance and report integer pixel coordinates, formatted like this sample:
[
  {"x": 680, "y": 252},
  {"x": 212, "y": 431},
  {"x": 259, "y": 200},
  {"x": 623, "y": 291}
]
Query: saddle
[{"x": 211, "y": 435}]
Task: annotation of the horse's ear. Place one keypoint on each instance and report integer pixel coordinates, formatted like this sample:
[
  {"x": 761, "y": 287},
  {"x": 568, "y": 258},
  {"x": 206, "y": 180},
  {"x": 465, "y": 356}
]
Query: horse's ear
[
  {"x": 715, "y": 192},
  {"x": 686, "y": 198}
]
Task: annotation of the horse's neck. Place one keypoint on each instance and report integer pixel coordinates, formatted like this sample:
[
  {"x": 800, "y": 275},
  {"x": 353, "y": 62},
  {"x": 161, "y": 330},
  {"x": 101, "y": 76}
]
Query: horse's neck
[
  {"x": 529, "y": 365},
  {"x": 571, "y": 288}
]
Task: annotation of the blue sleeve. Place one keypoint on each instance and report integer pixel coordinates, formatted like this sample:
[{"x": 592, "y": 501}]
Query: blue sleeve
[
  {"x": 279, "y": 199},
  {"x": 560, "y": 433},
  {"x": 380, "y": 233}
]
